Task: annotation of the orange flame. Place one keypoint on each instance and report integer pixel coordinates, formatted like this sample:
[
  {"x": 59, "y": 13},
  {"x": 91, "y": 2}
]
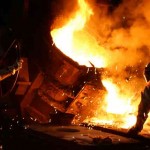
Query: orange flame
[
  {"x": 116, "y": 102},
  {"x": 74, "y": 40},
  {"x": 119, "y": 103},
  {"x": 117, "y": 109}
]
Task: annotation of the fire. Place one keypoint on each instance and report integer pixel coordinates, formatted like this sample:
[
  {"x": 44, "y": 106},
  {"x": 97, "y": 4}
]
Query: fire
[
  {"x": 119, "y": 103},
  {"x": 74, "y": 40},
  {"x": 116, "y": 102},
  {"x": 117, "y": 109}
]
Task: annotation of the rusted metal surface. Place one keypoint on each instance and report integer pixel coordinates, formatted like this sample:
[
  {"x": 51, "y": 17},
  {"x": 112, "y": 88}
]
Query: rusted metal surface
[
  {"x": 63, "y": 69},
  {"x": 30, "y": 94},
  {"x": 85, "y": 103},
  {"x": 67, "y": 74},
  {"x": 65, "y": 87},
  {"x": 52, "y": 91}
]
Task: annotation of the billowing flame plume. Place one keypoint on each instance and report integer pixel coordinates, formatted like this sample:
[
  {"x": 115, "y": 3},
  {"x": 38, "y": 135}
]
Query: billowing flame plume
[{"x": 109, "y": 41}]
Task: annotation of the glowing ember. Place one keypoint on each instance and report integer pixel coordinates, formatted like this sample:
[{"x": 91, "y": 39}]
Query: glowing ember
[
  {"x": 128, "y": 122},
  {"x": 74, "y": 39}
]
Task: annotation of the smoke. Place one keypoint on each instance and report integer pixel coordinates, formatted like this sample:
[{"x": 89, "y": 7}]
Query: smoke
[
  {"x": 120, "y": 35},
  {"x": 124, "y": 32},
  {"x": 117, "y": 36}
]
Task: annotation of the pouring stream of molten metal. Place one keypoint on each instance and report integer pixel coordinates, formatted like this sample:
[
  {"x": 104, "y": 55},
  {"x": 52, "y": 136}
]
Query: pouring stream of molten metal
[{"x": 74, "y": 40}]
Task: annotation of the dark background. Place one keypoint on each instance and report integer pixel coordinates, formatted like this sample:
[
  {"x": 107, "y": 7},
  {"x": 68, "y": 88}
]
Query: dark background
[{"x": 30, "y": 21}]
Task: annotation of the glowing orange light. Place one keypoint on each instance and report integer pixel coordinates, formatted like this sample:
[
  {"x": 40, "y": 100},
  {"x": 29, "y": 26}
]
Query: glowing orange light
[{"x": 74, "y": 40}]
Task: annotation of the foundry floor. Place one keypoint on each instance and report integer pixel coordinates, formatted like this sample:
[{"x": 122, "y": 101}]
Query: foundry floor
[{"x": 47, "y": 137}]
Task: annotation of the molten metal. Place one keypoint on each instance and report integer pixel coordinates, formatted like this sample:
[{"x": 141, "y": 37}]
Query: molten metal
[{"x": 119, "y": 106}]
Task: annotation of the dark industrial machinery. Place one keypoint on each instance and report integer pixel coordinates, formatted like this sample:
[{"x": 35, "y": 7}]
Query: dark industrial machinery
[{"x": 66, "y": 89}]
